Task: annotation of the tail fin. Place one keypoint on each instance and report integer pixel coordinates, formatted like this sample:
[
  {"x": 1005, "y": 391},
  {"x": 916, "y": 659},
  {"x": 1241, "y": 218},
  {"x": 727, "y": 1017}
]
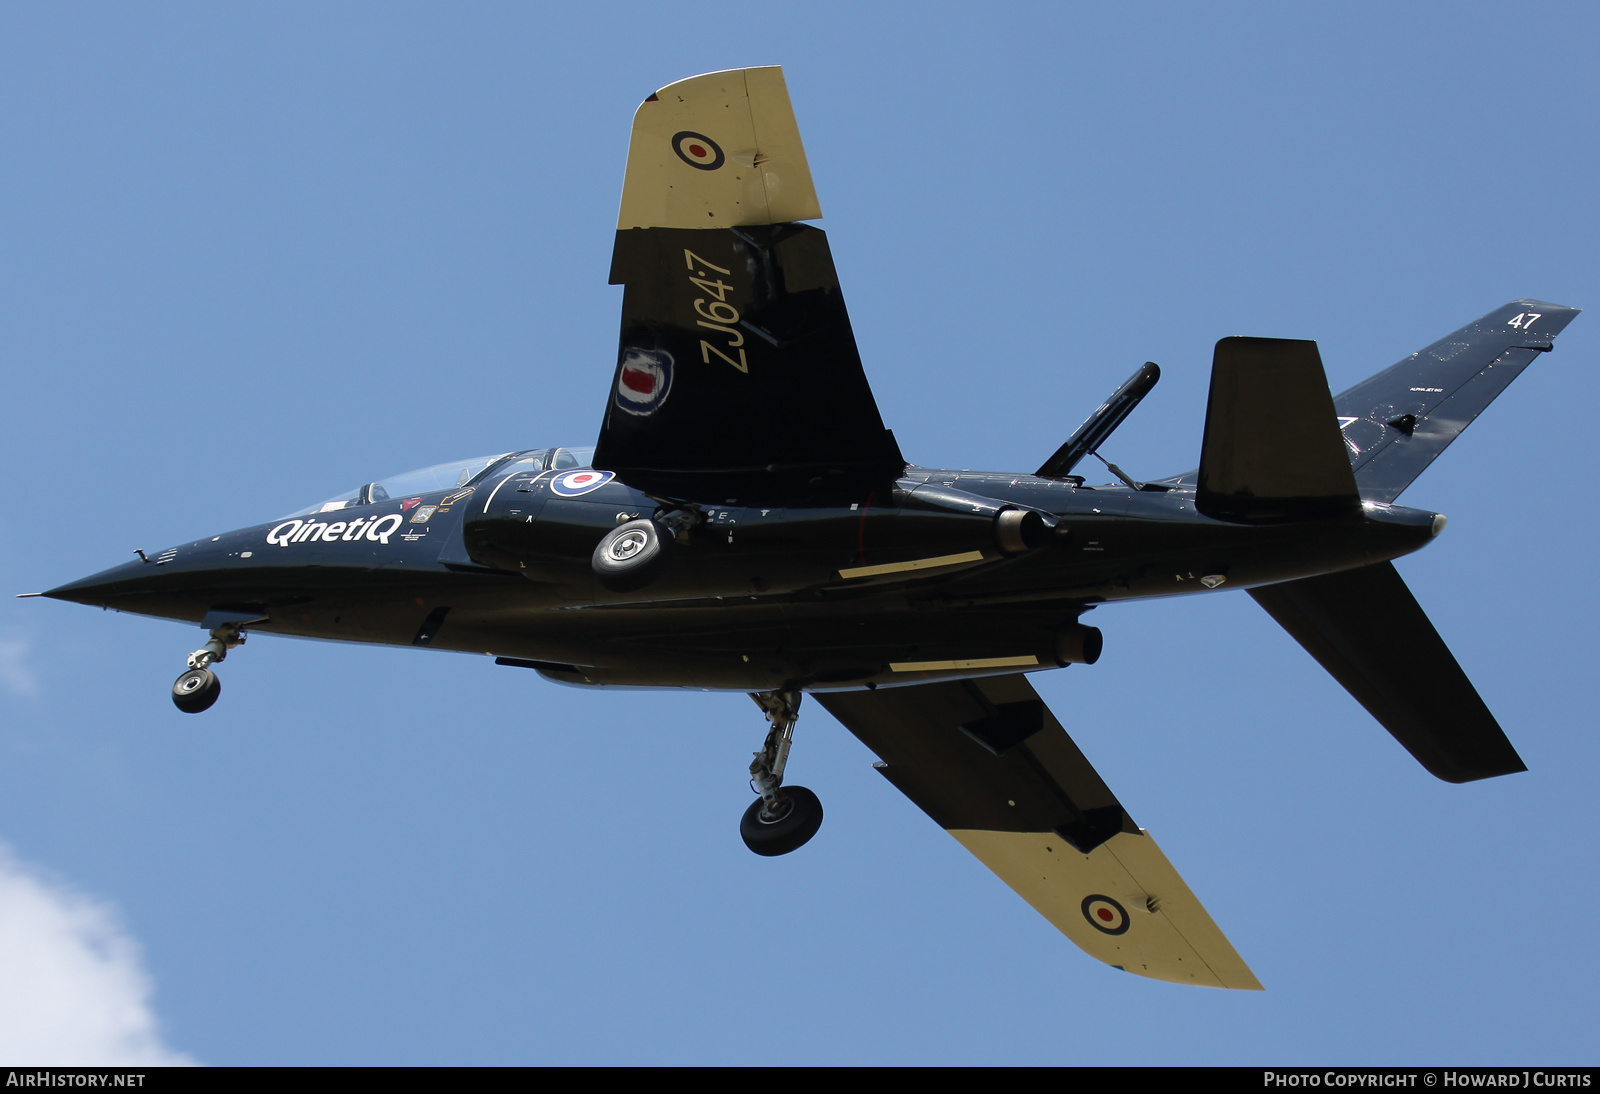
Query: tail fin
[
  {"x": 1271, "y": 450},
  {"x": 1366, "y": 628},
  {"x": 1397, "y": 422}
]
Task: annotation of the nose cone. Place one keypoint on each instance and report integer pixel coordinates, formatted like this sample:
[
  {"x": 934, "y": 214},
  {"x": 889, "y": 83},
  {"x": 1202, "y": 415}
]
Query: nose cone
[
  {"x": 107, "y": 586},
  {"x": 166, "y": 586}
]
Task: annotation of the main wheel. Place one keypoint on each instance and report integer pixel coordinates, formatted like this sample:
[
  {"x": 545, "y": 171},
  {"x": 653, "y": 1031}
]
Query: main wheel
[
  {"x": 791, "y": 830},
  {"x": 630, "y": 555},
  {"x": 196, "y": 690}
]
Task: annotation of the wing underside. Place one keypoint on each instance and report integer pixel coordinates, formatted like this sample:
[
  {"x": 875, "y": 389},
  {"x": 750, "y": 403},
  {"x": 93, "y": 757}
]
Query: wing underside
[
  {"x": 992, "y": 766},
  {"x": 737, "y": 371}
]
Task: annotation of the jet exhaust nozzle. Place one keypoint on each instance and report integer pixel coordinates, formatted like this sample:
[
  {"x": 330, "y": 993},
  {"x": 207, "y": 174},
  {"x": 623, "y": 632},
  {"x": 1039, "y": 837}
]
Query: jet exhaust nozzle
[
  {"x": 1019, "y": 530},
  {"x": 1015, "y": 529},
  {"x": 1077, "y": 644}
]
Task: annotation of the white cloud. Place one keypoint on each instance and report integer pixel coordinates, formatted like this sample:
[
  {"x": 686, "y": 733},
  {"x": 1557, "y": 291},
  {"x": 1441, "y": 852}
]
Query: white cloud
[
  {"x": 73, "y": 990},
  {"x": 15, "y": 674}
]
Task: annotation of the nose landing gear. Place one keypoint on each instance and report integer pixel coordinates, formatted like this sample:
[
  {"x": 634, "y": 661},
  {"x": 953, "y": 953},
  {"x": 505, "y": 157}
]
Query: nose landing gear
[
  {"x": 782, "y": 818},
  {"x": 199, "y": 687},
  {"x": 196, "y": 690}
]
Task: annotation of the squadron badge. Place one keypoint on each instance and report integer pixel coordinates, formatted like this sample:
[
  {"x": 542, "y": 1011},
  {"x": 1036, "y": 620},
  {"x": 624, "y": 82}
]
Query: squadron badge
[{"x": 644, "y": 380}]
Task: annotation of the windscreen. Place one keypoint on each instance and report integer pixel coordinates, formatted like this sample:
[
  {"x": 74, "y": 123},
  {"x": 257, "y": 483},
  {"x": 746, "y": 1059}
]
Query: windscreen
[
  {"x": 446, "y": 476},
  {"x": 441, "y": 476}
]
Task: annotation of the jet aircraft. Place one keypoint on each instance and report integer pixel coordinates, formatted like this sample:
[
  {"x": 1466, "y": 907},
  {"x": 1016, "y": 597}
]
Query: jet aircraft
[{"x": 745, "y": 521}]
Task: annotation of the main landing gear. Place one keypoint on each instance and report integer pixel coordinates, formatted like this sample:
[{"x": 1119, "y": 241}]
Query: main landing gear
[
  {"x": 782, "y": 818},
  {"x": 199, "y": 687}
]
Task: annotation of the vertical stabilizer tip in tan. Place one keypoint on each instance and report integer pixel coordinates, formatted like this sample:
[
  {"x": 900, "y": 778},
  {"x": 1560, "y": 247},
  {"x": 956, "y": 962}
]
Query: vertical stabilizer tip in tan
[{"x": 717, "y": 151}]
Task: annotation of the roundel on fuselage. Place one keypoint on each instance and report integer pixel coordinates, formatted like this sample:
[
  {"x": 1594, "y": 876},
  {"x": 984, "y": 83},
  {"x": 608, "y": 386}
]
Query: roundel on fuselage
[{"x": 570, "y": 484}]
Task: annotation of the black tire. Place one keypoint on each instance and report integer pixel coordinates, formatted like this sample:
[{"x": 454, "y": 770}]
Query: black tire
[
  {"x": 789, "y": 831},
  {"x": 196, "y": 690},
  {"x": 630, "y": 555}
]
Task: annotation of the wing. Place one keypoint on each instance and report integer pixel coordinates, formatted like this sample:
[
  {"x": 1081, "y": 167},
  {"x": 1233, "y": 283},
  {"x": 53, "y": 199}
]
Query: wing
[
  {"x": 737, "y": 372},
  {"x": 991, "y": 765}
]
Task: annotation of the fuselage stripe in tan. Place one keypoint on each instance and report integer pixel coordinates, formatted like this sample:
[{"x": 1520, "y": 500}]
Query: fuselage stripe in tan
[
  {"x": 914, "y": 564},
  {"x": 973, "y": 663}
]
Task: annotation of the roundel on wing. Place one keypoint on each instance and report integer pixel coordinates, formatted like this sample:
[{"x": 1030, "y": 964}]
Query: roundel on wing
[
  {"x": 1105, "y": 915},
  {"x": 569, "y": 484},
  {"x": 698, "y": 150}
]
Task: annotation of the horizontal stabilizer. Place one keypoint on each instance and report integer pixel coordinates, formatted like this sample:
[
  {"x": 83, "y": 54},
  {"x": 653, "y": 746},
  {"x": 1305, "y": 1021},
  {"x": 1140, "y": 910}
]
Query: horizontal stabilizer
[
  {"x": 1397, "y": 422},
  {"x": 1366, "y": 628},
  {"x": 989, "y": 762},
  {"x": 1272, "y": 449}
]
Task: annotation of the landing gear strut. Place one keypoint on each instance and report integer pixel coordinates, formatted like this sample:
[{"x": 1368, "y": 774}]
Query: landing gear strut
[
  {"x": 782, "y": 818},
  {"x": 199, "y": 687}
]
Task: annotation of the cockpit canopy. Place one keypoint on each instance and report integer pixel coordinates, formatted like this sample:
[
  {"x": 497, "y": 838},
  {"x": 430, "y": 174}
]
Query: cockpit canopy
[{"x": 455, "y": 473}]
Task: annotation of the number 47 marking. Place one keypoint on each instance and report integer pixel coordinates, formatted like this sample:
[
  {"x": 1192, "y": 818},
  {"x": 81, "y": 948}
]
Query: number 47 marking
[{"x": 1524, "y": 320}]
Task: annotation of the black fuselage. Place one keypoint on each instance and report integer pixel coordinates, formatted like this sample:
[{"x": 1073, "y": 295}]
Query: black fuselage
[{"x": 892, "y": 589}]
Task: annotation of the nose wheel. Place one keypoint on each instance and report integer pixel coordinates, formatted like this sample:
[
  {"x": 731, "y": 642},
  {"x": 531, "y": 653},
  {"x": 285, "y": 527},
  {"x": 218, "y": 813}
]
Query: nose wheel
[
  {"x": 783, "y": 818},
  {"x": 196, "y": 690},
  {"x": 199, "y": 687}
]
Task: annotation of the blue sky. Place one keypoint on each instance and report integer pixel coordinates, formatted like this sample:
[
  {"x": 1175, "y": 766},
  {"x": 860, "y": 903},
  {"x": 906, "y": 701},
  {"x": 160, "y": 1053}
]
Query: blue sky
[{"x": 254, "y": 255}]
